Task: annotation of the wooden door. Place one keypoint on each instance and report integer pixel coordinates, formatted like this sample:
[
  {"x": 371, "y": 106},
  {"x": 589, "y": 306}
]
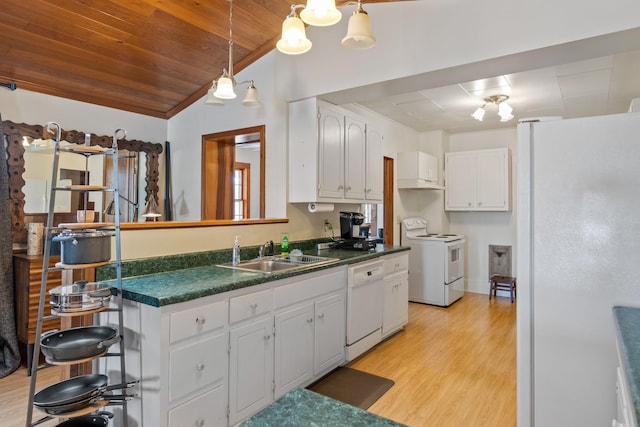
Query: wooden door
[{"x": 218, "y": 160}]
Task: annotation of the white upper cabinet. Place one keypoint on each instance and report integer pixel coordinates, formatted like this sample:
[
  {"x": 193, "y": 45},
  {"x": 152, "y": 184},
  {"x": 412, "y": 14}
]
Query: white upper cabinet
[
  {"x": 478, "y": 180},
  {"x": 333, "y": 156},
  {"x": 374, "y": 167},
  {"x": 354, "y": 164},
  {"x": 418, "y": 170}
]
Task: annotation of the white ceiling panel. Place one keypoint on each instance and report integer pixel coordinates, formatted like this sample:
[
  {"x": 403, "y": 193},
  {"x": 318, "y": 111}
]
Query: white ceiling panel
[{"x": 597, "y": 86}]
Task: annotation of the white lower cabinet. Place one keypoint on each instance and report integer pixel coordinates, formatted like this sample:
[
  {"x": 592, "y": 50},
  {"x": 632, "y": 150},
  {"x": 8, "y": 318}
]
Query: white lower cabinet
[
  {"x": 330, "y": 333},
  {"x": 217, "y": 360},
  {"x": 395, "y": 306},
  {"x": 294, "y": 348},
  {"x": 309, "y": 330},
  {"x": 250, "y": 368}
]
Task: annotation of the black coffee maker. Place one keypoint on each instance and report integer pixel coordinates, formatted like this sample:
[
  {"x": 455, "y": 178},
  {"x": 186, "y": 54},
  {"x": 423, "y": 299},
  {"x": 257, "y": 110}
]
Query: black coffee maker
[{"x": 354, "y": 232}]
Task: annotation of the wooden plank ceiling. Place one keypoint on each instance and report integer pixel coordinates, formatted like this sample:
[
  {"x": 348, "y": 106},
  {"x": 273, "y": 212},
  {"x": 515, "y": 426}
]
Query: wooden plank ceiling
[{"x": 153, "y": 57}]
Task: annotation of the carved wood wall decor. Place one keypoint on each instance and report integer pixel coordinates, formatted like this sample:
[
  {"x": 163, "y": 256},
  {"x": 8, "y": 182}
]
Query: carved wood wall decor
[{"x": 13, "y": 134}]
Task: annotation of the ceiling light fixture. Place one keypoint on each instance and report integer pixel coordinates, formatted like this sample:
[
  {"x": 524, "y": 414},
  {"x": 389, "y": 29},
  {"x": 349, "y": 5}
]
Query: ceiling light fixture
[
  {"x": 504, "y": 109},
  {"x": 222, "y": 88},
  {"x": 322, "y": 13}
]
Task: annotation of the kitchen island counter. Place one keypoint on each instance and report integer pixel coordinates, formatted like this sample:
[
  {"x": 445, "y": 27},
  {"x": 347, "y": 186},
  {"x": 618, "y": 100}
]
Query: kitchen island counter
[
  {"x": 627, "y": 321},
  {"x": 180, "y": 285},
  {"x": 302, "y": 407}
]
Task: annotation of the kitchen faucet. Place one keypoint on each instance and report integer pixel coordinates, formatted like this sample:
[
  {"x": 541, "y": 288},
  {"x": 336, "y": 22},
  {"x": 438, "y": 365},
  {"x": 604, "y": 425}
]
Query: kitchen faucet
[{"x": 267, "y": 245}]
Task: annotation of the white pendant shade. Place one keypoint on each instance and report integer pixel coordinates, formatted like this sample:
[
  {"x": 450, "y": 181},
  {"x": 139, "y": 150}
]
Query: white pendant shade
[
  {"x": 478, "y": 114},
  {"x": 225, "y": 89},
  {"x": 251, "y": 99},
  {"x": 294, "y": 40},
  {"x": 504, "y": 111},
  {"x": 321, "y": 13},
  {"x": 211, "y": 98},
  {"x": 359, "y": 32}
]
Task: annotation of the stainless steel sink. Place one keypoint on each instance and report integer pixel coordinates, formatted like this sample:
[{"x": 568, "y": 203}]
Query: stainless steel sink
[{"x": 274, "y": 264}]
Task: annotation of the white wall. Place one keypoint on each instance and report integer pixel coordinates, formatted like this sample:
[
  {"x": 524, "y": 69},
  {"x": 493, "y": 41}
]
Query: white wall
[
  {"x": 486, "y": 228},
  {"x": 417, "y": 39}
]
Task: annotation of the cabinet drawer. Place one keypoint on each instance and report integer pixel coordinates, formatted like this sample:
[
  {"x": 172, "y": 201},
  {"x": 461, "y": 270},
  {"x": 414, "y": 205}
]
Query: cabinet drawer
[
  {"x": 293, "y": 293},
  {"x": 197, "y": 365},
  {"x": 247, "y": 306},
  {"x": 187, "y": 323},
  {"x": 396, "y": 263},
  {"x": 206, "y": 410}
]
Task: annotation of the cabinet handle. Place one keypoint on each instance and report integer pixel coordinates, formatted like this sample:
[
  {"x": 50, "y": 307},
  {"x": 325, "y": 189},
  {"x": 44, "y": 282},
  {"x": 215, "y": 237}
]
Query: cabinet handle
[
  {"x": 200, "y": 320},
  {"x": 321, "y": 316},
  {"x": 200, "y": 422},
  {"x": 340, "y": 187},
  {"x": 267, "y": 337},
  {"x": 479, "y": 203},
  {"x": 254, "y": 306},
  {"x": 200, "y": 367},
  {"x": 310, "y": 320},
  {"x": 469, "y": 204}
]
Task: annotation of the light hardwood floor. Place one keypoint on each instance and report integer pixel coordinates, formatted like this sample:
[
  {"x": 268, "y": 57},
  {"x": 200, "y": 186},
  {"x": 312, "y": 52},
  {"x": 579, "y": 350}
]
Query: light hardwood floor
[{"x": 452, "y": 366}]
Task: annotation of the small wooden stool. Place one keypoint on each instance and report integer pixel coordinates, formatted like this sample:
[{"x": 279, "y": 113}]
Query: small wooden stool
[{"x": 503, "y": 283}]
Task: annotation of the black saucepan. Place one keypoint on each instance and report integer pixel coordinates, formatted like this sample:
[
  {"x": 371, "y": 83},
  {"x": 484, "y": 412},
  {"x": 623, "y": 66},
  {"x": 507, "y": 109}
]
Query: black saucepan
[
  {"x": 78, "y": 343},
  {"x": 75, "y": 389}
]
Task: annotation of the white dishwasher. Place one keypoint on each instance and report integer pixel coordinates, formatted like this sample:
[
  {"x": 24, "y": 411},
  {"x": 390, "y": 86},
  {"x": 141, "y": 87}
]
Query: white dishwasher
[{"x": 364, "y": 307}]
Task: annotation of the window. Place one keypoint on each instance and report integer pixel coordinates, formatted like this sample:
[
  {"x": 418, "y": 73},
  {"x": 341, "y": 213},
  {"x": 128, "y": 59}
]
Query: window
[{"x": 241, "y": 190}]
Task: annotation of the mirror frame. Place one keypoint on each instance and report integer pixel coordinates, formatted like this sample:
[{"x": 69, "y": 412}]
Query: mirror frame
[{"x": 13, "y": 133}]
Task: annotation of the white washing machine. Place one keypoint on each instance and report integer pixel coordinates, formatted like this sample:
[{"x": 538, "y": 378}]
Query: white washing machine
[{"x": 436, "y": 264}]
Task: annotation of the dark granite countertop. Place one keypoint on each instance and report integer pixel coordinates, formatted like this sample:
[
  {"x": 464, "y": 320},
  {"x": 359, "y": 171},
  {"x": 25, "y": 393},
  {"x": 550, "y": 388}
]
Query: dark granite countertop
[
  {"x": 184, "y": 284},
  {"x": 304, "y": 408},
  {"x": 628, "y": 328}
]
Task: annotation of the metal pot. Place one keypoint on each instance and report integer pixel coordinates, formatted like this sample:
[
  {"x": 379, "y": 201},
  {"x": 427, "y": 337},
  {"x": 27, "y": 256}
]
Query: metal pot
[
  {"x": 78, "y": 343},
  {"x": 80, "y": 296},
  {"x": 82, "y": 388},
  {"x": 84, "y": 247}
]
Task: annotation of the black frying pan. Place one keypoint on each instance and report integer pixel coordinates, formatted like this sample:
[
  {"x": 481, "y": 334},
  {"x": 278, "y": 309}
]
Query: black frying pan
[
  {"x": 78, "y": 343},
  {"x": 86, "y": 421},
  {"x": 64, "y": 409},
  {"x": 75, "y": 389}
]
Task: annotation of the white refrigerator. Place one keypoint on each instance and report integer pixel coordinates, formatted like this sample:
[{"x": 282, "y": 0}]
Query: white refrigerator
[{"x": 578, "y": 256}]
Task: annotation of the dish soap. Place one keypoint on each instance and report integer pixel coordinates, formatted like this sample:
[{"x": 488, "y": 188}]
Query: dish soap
[
  {"x": 235, "y": 257},
  {"x": 284, "y": 245}
]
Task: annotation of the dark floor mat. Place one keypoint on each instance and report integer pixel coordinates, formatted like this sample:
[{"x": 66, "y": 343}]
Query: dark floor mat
[{"x": 357, "y": 388}]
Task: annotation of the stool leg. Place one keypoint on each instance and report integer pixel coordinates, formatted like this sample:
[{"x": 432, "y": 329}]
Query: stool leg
[{"x": 490, "y": 289}]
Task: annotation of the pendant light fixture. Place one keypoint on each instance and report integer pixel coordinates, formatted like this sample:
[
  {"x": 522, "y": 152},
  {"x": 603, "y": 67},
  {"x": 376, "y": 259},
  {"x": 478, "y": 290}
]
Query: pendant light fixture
[
  {"x": 359, "y": 30},
  {"x": 222, "y": 88},
  {"x": 322, "y": 13},
  {"x": 504, "y": 109}
]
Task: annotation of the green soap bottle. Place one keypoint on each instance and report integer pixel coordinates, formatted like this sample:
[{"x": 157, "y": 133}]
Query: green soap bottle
[{"x": 284, "y": 245}]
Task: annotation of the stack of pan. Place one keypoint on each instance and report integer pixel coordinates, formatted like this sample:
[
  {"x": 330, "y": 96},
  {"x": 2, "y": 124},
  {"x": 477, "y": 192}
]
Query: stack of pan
[{"x": 78, "y": 393}]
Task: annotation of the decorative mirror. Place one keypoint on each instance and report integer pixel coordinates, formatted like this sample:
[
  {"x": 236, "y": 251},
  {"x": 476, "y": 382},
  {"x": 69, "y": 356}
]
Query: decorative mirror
[{"x": 15, "y": 135}]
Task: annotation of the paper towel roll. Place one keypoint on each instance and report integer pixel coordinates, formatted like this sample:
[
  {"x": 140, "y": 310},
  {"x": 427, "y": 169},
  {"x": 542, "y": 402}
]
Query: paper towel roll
[
  {"x": 35, "y": 242},
  {"x": 320, "y": 207}
]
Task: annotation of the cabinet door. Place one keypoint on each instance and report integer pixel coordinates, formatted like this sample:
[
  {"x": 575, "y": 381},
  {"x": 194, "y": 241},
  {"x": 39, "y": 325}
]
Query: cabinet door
[
  {"x": 354, "y": 174},
  {"x": 250, "y": 369},
  {"x": 374, "y": 169},
  {"x": 460, "y": 171},
  {"x": 294, "y": 348},
  {"x": 493, "y": 180},
  {"x": 330, "y": 333},
  {"x": 395, "y": 312},
  {"x": 330, "y": 154}
]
